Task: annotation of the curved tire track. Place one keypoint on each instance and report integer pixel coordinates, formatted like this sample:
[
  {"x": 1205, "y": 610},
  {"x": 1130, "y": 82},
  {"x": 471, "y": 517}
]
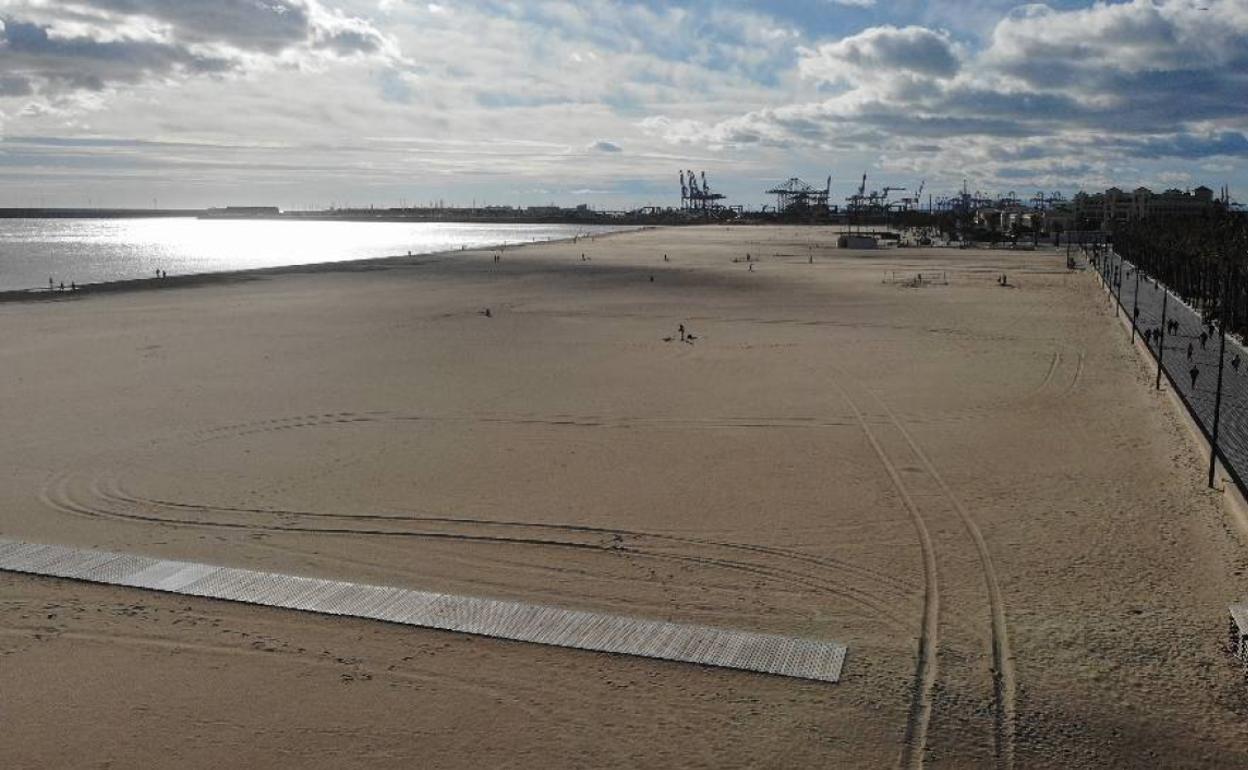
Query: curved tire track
[
  {"x": 919, "y": 718},
  {"x": 1004, "y": 683}
]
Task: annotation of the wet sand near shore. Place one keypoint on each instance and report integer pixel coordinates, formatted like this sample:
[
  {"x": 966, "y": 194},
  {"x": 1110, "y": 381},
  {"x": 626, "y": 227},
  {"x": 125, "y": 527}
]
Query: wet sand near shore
[{"x": 972, "y": 486}]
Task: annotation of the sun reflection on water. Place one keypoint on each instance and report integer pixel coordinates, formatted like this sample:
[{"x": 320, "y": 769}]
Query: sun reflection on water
[{"x": 96, "y": 250}]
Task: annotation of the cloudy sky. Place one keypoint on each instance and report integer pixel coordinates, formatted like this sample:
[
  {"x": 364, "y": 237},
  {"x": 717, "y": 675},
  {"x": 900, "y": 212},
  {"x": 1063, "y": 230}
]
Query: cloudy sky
[{"x": 317, "y": 102}]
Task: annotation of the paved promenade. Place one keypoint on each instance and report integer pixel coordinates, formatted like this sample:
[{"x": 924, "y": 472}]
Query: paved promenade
[{"x": 1183, "y": 353}]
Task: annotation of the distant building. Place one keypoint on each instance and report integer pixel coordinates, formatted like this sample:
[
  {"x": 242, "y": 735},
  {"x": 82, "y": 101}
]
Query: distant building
[{"x": 1114, "y": 205}]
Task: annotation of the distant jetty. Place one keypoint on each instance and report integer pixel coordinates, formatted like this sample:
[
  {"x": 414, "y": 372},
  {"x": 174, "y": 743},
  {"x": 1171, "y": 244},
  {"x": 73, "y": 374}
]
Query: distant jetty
[{"x": 93, "y": 213}]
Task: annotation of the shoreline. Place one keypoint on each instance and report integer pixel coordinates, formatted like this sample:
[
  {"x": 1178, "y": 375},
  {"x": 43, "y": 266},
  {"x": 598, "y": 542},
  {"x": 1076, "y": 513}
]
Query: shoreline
[{"x": 192, "y": 280}]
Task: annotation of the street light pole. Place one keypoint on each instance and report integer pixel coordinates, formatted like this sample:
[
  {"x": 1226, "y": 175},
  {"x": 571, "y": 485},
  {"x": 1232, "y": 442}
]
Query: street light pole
[
  {"x": 1117, "y": 292},
  {"x": 1135, "y": 309},
  {"x": 1161, "y": 344},
  {"x": 1217, "y": 399}
]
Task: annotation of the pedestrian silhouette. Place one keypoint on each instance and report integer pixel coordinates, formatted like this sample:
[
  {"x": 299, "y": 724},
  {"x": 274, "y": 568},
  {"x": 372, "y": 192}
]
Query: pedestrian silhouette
[
  {"x": 1204, "y": 337},
  {"x": 1195, "y": 372},
  {"x": 682, "y": 332},
  {"x": 1189, "y": 350},
  {"x": 1235, "y": 362}
]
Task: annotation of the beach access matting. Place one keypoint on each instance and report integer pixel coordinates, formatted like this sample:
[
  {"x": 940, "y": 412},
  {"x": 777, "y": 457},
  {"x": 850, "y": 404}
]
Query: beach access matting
[{"x": 768, "y": 653}]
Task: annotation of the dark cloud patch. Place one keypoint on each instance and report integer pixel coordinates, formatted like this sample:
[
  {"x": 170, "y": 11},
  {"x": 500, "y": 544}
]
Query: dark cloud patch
[
  {"x": 11, "y": 85},
  {"x": 603, "y": 145},
  {"x": 94, "y": 45},
  {"x": 1189, "y": 146},
  {"x": 254, "y": 25},
  {"x": 349, "y": 42},
  {"x": 82, "y": 63}
]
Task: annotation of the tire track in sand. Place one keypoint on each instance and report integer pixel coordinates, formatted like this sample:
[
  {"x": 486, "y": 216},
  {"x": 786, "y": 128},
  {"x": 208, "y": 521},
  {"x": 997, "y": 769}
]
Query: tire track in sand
[
  {"x": 1004, "y": 682},
  {"x": 107, "y": 504},
  {"x": 915, "y": 742}
]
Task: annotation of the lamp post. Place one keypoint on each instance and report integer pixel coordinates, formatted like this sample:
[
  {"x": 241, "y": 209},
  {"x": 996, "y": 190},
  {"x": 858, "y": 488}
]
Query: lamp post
[
  {"x": 1135, "y": 304},
  {"x": 1161, "y": 343},
  {"x": 1217, "y": 399}
]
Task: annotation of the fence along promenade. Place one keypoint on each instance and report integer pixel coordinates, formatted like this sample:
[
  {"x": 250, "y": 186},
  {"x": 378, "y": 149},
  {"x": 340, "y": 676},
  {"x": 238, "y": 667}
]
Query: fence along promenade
[{"x": 1204, "y": 399}]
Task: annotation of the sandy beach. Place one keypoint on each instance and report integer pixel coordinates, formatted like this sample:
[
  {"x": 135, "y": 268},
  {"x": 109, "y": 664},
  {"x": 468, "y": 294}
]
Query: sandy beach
[{"x": 974, "y": 487}]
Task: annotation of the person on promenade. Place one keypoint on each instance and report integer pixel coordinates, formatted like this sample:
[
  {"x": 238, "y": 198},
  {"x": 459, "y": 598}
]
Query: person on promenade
[
  {"x": 1204, "y": 337},
  {"x": 1235, "y": 362},
  {"x": 1189, "y": 351},
  {"x": 1195, "y": 372}
]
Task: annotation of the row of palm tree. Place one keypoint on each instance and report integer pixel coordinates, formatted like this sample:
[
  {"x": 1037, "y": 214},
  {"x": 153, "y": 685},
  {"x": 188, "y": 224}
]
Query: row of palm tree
[{"x": 1202, "y": 259}]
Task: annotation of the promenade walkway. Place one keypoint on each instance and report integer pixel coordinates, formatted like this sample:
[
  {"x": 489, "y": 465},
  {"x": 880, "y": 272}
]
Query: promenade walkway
[{"x": 1200, "y": 397}]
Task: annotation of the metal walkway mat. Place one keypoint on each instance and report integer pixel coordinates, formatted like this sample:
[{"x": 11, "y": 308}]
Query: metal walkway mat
[{"x": 767, "y": 653}]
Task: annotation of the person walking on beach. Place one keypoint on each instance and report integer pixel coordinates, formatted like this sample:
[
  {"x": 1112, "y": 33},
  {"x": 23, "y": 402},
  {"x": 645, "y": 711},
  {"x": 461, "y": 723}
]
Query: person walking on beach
[
  {"x": 1195, "y": 372},
  {"x": 49, "y": 283},
  {"x": 682, "y": 332}
]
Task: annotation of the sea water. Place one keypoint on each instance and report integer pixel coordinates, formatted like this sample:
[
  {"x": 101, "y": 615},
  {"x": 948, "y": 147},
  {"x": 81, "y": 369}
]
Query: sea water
[{"x": 86, "y": 251}]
